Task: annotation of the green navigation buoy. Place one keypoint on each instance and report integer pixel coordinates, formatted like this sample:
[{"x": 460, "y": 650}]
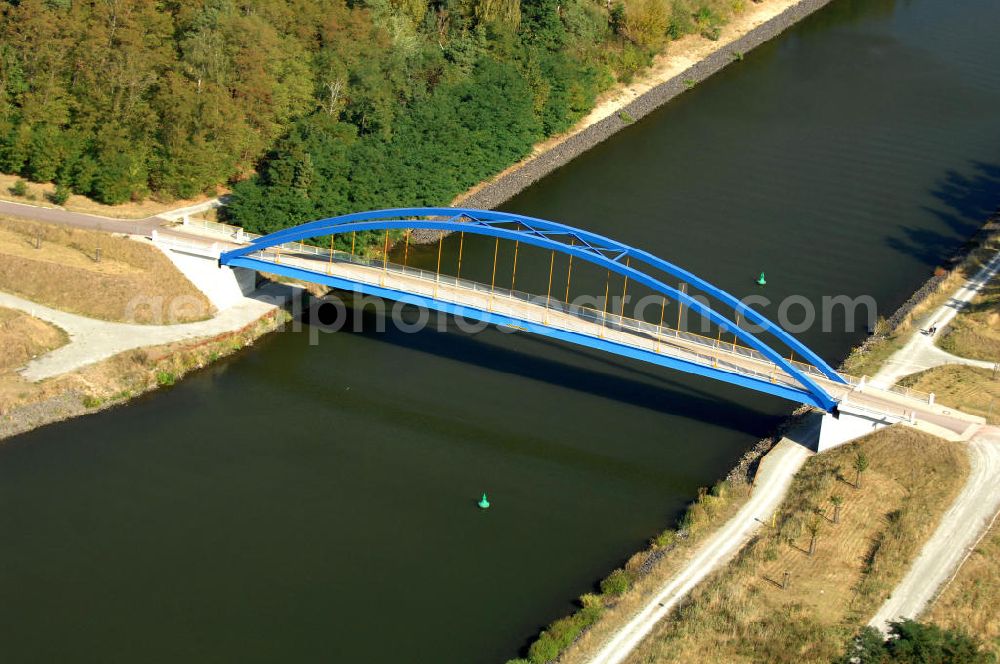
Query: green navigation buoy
[
  {"x": 761, "y": 281},
  {"x": 483, "y": 503}
]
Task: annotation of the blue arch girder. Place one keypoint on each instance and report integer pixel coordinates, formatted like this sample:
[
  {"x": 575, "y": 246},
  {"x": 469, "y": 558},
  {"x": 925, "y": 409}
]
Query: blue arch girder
[{"x": 599, "y": 250}]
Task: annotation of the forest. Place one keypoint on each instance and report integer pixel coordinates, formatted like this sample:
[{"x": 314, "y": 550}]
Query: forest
[{"x": 309, "y": 108}]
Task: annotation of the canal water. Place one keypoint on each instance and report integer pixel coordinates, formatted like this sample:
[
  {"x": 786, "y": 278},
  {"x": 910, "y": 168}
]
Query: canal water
[{"x": 317, "y": 502}]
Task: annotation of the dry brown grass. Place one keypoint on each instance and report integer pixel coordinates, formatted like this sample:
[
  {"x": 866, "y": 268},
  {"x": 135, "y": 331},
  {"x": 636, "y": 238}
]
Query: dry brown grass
[
  {"x": 972, "y": 600},
  {"x": 970, "y": 389},
  {"x": 64, "y": 274},
  {"x": 38, "y": 195},
  {"x": 975, "y": 331},
  {"x": 23, "y": 337},
  {"x": 741, "y": 614}
]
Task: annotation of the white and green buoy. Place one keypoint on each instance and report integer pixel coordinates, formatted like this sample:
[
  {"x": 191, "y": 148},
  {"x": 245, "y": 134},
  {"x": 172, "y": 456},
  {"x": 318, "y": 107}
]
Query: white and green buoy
[
  {"x": 761, "y": 280},
  {"x": 484, "y": 504}
]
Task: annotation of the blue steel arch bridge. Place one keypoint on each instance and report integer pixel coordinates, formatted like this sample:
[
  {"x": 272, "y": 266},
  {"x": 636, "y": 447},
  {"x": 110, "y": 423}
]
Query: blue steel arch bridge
[{"x": 767, "y": 359}]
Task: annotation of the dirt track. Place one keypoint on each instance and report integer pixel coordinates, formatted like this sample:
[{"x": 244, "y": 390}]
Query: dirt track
[{"x": 959, "y": 531}]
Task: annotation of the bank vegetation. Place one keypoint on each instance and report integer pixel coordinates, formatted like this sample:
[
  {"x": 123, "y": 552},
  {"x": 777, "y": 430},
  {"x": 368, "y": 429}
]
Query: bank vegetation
[{"x": 25, "y": 405}]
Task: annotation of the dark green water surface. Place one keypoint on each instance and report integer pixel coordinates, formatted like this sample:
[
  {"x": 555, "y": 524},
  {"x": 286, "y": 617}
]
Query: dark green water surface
[{"x": 317, "y": 503}]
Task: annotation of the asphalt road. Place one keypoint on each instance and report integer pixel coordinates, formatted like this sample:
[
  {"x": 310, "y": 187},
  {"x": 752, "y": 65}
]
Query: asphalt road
[{"x": 79, "y": 219}]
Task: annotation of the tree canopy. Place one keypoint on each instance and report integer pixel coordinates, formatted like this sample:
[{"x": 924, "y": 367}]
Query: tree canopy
[
  {"x": 308, "y": 107},
  {"x": 911, "y": 642}
]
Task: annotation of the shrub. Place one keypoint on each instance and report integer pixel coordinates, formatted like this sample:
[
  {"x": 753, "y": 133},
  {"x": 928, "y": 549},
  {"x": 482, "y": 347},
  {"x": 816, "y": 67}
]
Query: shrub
[
  {"x": 646, "y": 23},
  {"x": 626, "y": 117},
  {"x": 665, "y": 539},
  {"x": 882, "y": 327},
  {"x": 631, "y": 59},
  {"x": 20, "y": 188},
  {"x": 709, "y": 23},
  {"x": 562, "y": 633},
  {"x": 911, "y": 641},
  {"x": 591, "y": 601},
  {"x": 165, "y": 378},
  {"x": 60, "y": 195},
  {"x": 545, "y": 649},
  {"x": 90, "y": 401},
  {"x": 617, "y": 583}
]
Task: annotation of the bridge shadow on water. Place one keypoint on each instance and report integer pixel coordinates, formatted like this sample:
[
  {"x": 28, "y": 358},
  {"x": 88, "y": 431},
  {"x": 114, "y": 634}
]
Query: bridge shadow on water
[{"x": 626, "y": 381}]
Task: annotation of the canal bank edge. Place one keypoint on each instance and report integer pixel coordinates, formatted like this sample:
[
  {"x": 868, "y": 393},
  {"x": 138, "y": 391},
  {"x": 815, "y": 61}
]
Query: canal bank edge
[
  {"x": 520, "y": 176},
  {"x": 730, "y": 489},
  {"x": 880, "y": 340},
  {"x": 121, "y": 378}
]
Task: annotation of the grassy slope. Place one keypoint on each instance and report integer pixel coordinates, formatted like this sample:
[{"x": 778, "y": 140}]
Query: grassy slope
[
  {"x": 741, "y": 614},
  {"x": 970, "y": 389},
  {"x": 649, "y": 570},
  {"x": 972, "y": 600},
  {"x": 868, "y": 363},
  {"x": 25, "y": 405},
  {"x": 975, "y": 332},
  {"x": 64, "y": 274},
  {"x": 23, "y": 337},
  {"x": 987, "y": 337}
]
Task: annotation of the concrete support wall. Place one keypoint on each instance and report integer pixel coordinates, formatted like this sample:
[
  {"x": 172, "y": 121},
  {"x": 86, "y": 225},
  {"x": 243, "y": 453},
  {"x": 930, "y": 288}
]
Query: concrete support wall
[
  {"x": 850, "y": 425},
  {"x": 223, "y": 286}
]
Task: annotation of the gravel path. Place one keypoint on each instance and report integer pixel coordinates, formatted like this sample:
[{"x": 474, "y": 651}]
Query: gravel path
[
  {"x": 960, "y": 529},
  {"x": 920, "y": 353},
  {"x": 94, "y": 340},
  {"x": 940, "y": 557},
  {"x": 773, "y": 479}
]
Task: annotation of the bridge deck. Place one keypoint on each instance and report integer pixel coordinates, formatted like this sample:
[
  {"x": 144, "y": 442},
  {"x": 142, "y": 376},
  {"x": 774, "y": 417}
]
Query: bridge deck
[
  {"x": 535, "y": 311},
  {"x": 549, "y": 312}
]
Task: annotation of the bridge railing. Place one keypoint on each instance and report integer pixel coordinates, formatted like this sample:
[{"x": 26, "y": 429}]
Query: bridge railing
[
  {"x": 657, "y": 337},
  {"x": 660, "y": 333},
  {"x": 910, "y": 393},
  {"x": 300, "y": 248},
  {"x": 230, "y": 232}
]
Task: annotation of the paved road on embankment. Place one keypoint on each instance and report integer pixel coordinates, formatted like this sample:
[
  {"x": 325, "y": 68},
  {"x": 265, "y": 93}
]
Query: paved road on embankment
[{"x": 79, "y": 219}]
